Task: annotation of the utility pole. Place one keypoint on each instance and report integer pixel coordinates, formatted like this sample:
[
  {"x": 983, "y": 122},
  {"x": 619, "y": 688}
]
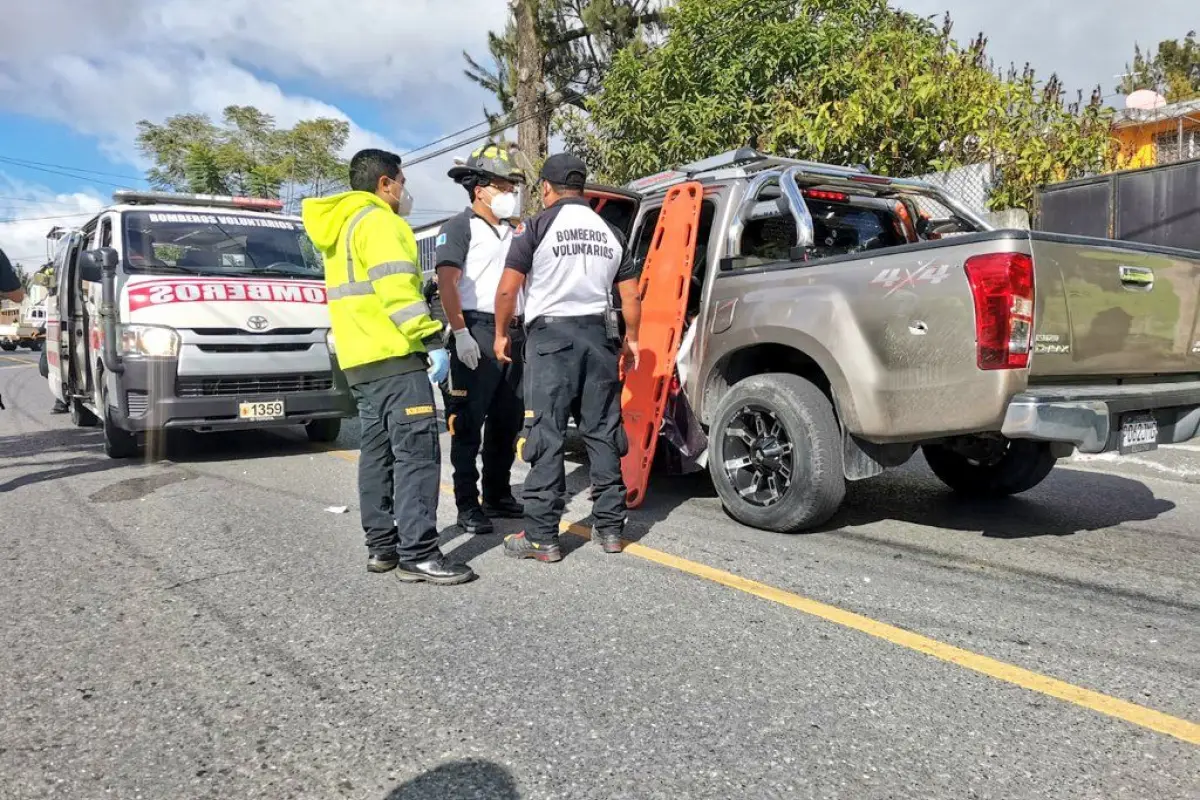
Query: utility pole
[{"x": 533, "y": 118}]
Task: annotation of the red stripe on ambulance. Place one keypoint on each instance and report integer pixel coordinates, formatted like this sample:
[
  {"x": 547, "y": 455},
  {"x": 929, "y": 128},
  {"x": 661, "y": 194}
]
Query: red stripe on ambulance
[{"x": 156, "y": 293}]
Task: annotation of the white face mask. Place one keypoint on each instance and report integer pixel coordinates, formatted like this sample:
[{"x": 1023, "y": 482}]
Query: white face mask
[
  {"x": 404, "y": 203},
  {"x": 504, "y": 205}
]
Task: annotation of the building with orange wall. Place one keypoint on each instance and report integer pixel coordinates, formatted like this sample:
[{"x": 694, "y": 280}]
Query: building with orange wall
[{"x": 1164, "y": 135}]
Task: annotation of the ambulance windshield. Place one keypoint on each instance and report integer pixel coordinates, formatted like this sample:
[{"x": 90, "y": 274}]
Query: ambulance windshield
[{"x": 218, "y": 244}]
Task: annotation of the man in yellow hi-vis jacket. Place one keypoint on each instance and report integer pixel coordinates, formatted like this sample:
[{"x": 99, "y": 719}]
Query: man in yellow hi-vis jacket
[{"x": 386, "y": 342}]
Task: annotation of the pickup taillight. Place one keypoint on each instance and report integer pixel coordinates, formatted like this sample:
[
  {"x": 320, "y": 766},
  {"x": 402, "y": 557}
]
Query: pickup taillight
[{"x": 1002, "y": 286}]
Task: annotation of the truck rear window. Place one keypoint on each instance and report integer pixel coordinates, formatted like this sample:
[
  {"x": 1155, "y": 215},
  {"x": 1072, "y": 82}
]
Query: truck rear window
[
  {"x": 218, "y": 244},
  {"x": 838, "y": 229}
]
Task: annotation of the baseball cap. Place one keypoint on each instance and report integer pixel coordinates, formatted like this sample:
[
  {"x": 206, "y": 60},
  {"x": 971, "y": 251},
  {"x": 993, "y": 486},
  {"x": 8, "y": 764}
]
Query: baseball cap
[{"x": 565, "y": 169}]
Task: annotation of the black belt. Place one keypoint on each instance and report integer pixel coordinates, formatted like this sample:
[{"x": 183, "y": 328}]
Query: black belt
[
  {"x": 582, "y": 319},
  {"x": 483, "y": 316}
]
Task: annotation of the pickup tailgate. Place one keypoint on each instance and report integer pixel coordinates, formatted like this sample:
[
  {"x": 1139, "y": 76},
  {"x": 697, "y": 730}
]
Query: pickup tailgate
[{"x": 1109, "y": 308}]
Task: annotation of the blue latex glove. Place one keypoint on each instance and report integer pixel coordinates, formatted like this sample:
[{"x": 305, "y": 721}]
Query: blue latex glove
[{"x": 439, "y": 365}]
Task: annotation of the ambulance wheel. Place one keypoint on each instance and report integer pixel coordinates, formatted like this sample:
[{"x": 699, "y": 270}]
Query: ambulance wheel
[
  {"x": 118, "y": 443},
  {"x": 323, "y": 431},
  {"x": 80, "y": 416},
  {"x": 776, "y": 454}
]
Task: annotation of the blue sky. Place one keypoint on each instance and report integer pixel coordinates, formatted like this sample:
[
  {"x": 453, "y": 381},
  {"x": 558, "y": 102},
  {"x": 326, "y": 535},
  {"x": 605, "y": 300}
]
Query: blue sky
[{"x": 393, "y": 68}]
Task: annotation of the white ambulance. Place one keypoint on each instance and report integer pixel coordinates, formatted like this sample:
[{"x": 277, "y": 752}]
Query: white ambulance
[{"x": 194, "y": 312}]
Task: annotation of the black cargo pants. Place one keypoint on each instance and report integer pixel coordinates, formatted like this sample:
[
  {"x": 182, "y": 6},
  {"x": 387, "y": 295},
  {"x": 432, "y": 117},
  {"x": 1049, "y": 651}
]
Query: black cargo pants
[
  {"x": 484, "y": 400},
  {"x": 399, "y": 466},
  {"x": 571, "y": 361}
]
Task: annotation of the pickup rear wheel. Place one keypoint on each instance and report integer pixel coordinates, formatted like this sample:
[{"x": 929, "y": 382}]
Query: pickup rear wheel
[
  {"x": 991, "y": 469},
  {"x": 776, "y": 456}
]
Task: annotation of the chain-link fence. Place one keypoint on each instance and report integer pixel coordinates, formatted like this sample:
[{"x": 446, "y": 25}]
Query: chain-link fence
[{"x": 970, "y": 185}]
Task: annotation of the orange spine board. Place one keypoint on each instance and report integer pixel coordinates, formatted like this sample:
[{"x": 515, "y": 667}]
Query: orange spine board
[{"x": 666, "y": 277}]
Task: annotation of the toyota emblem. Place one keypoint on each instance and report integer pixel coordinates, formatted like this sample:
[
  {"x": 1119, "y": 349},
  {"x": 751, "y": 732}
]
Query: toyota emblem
[{"x": 257, "y": 323}]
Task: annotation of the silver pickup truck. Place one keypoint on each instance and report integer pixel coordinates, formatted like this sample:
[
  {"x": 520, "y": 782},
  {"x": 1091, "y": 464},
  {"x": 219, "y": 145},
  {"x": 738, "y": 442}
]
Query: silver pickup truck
[{"x": 838, "y": 321}]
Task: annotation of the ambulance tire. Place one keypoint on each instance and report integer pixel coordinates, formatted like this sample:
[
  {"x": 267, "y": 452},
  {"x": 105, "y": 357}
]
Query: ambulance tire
[
  {"x": 794, "y": 457},
  {"x": 81, "y": 417},
  {"x": 323, "y": 431},
  {"x": 118, "y": 443}
]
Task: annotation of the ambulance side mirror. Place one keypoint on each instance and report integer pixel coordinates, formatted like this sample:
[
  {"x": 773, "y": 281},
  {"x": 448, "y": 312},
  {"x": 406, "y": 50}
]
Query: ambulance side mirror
[{"x": 95, "y": 264}]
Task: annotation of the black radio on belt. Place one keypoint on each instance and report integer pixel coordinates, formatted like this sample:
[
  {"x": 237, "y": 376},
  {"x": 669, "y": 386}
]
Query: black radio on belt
[{"x": 612, "y": 324}]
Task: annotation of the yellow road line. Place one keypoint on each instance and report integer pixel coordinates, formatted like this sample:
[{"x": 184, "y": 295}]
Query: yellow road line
[
  {"x": 20, "y": 361},
  {"x": 1133, "y": 713}
]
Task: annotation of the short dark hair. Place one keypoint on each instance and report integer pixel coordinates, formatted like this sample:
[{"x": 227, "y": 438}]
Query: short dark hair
[
  {"x": 565, "y": 191},
  {"x": 368, "y": 166}
]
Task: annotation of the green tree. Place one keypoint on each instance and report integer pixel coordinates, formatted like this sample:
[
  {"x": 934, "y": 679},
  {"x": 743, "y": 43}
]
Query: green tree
[
  {"x": 576, "y": 40},
  {"x": 246, "y": 155},
  {"x": 1173, "y": 69},
  {"x": 840, "y": 81}
]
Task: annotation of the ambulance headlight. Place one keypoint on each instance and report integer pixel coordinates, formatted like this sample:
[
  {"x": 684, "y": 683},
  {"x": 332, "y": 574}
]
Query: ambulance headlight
[
  {"x": 149, "y": 340},
  {"x": 329, "y": 341}
]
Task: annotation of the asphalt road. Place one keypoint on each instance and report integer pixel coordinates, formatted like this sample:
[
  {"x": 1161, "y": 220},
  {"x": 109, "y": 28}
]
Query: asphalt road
[{"x": 203, "y": 627}]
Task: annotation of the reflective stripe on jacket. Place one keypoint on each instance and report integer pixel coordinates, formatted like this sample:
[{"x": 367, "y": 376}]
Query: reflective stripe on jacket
[{"x": 381, "y": 322}]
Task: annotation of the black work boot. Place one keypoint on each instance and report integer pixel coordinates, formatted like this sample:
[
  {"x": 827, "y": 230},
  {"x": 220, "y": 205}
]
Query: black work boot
[
  {"x": 382, "y": 563},
  {"x": 518, "y": 545},
  {"x": 609, "y": 539},
  {"x": 504, "y": 508},
  {"x": 435, "y": 570},
  {"x": 59, "y": 407},
  {"x": 473, "y": 521}
]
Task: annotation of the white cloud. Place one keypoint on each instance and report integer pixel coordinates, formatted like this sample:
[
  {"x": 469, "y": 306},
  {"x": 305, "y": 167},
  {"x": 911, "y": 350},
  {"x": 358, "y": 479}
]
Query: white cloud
[
  {"x": 149, "y": 59},
  {"x": 37, "y": 210}
]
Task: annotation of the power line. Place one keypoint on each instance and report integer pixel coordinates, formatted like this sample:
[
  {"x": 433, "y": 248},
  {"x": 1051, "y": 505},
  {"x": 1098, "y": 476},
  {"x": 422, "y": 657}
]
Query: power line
[
  {"x": 27, "y": 161},
  {"x": 77, "y": 176}
]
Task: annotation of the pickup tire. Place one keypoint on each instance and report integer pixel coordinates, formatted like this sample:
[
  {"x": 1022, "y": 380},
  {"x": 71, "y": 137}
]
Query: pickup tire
[
  {"x": 323, "y": 431},
  {"x": 8, "y": 347},
  {"x": 1019, "y": 467},
  {"x": 785, "y": 475}
]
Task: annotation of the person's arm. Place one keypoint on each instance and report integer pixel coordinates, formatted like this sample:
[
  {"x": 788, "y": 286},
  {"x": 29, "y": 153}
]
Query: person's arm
[
  {"x": 517, "y": 265},
  {"x": 453, "y": 242},
  {"x": 390, "y": 253},
  {"x": 628, "y": 277}
]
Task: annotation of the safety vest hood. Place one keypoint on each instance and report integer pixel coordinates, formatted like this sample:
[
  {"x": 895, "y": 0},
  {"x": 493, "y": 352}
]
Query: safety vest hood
[
  {"x": 325, "y": 217},
  {"x": 381, "y": 322}
]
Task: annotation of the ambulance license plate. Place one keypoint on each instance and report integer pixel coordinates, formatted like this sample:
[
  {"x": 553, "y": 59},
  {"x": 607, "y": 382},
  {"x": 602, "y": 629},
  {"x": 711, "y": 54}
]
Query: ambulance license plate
[
  {"x": 1139, "y": 434},
  {"x": 261, "y": 410}
]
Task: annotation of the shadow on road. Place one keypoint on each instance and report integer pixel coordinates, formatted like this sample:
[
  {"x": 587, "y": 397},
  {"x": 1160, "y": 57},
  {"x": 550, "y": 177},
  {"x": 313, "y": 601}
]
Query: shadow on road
[
  {"x": 51, "y": 440},
  {"x": 472, "y": 778},
  {"x": 56, "y": 470},
  {"x": 1068, "y": 503}
]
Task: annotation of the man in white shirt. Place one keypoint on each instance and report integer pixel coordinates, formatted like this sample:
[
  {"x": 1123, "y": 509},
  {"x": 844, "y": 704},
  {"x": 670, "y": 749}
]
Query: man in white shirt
[
  {"x": 567, "y": 261},
  {"x": 482, "y": 394}
]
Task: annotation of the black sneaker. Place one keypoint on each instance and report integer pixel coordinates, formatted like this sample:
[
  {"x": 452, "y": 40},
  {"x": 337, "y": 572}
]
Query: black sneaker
[
  {"x": 504, "y": 508},
  {"x": 378, "y": 564},
  {"x": 610, "y": 539},
  {"x": 473, "y": 521},
  {"x": 435, "y": 570},
  {"x": 518, "y": 545},
  {"x": 59, "y": 407}
]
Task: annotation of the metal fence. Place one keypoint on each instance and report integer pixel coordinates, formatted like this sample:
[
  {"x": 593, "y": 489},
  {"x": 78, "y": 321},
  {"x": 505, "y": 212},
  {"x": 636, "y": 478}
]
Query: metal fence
[{"x": 970, "y": 185}]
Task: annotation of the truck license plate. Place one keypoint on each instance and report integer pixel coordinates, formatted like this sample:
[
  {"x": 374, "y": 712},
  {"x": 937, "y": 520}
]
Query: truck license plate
[
  {"x": 1138, "y": 434},
  {"x": 261, "y": 411}
]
